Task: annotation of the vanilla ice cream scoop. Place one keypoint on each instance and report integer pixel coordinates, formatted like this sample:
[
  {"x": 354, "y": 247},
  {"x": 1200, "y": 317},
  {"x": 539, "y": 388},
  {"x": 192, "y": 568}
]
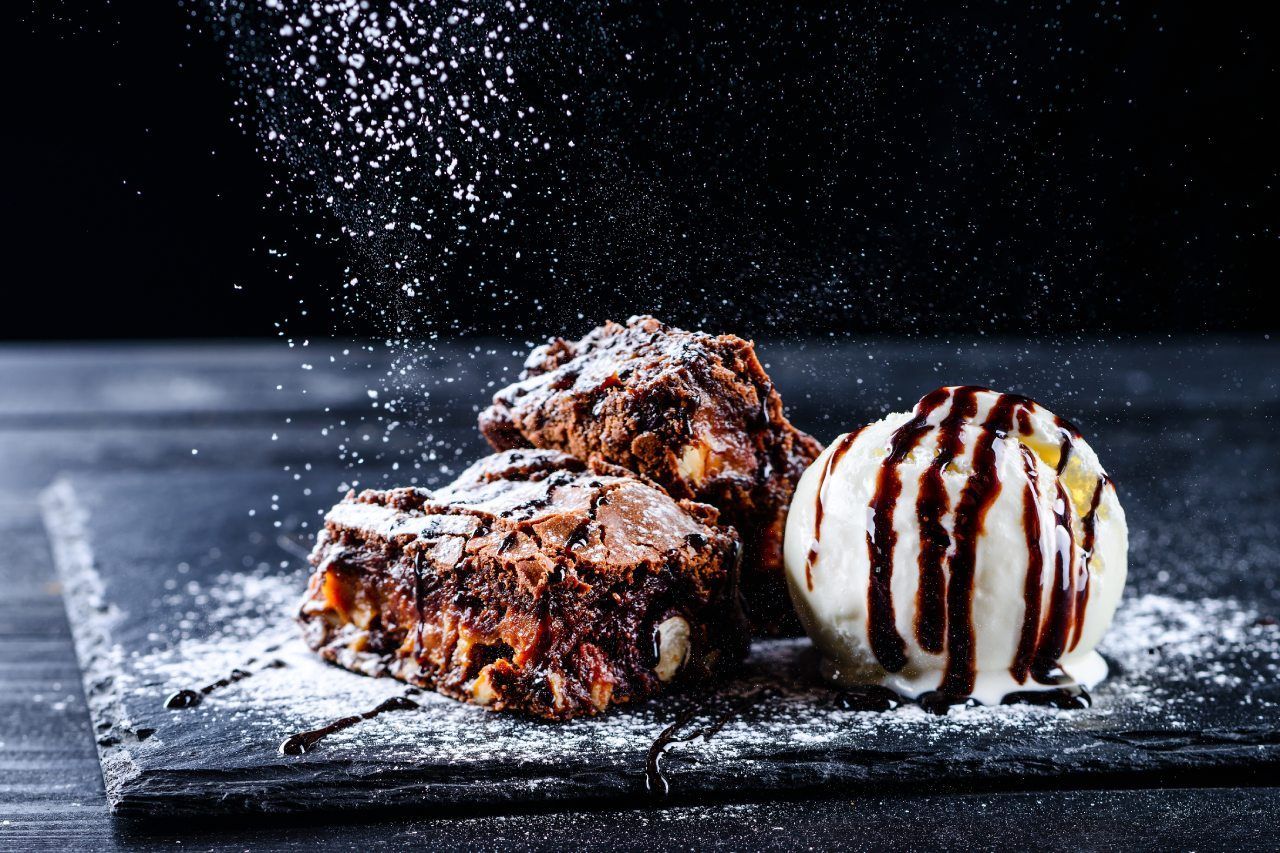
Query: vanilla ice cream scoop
[{"x": 972, "y": 548}]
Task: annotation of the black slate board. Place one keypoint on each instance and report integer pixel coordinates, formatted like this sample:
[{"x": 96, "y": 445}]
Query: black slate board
[{"x": 171, "y": 582}]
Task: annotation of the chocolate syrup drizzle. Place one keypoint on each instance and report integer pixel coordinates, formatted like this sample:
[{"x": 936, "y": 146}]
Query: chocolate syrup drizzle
[
  {"x": 944, "y": 606},
  {"x": 886, "y": 642},
  {"x": 1053, "y": 634},
  {"x": 1090, "y": 526},
  {"x": 304, "y": 742},
  {"x": 187, "y": 698},
  {"x": 832, "y": 461},
  {"x": 1064, "y": 455},
  {"x": 1032, "y": 586},
  {"x": 934, "y": 503},
  {"x": 980, "y": 492},
  {"x": 655, "y": 781}
]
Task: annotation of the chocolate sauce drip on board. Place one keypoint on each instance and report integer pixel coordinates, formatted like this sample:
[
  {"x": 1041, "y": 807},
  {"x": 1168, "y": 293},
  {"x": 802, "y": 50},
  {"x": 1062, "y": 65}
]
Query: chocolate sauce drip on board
[
  {"x": 188, "y": 698},
  {"x": 1032, "y": 587},
  {"x": 305, "y": 741},
  {"x": 931, "y": 508},
  {"x": 832, "y": 462},
  {"x": 886, "y": 643},
  {"x": 655, "y": 781}
]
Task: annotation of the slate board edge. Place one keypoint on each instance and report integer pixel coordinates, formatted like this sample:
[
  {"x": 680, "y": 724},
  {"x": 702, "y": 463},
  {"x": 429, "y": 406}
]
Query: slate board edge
[{"x": 90, "y": 620}]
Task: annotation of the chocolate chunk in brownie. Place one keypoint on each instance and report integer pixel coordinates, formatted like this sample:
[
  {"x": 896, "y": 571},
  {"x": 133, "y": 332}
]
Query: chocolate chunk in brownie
[
  {"x": 692, "y": 412},
  {"x": 530, "y": 584}
]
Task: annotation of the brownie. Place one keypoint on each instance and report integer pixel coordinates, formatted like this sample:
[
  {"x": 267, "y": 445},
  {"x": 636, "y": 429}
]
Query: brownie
[
  {"x": 691, "y": 412},
  {"x": 530, "y": 584}
]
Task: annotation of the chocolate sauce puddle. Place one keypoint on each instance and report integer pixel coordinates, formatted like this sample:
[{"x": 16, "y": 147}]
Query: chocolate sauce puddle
[
  {"x": 188, "y": 698},
  {"x": 655, "y": 780},
  {"x": 869, "y": 697},
  {"x": 304, "y": 742},
  {"x": 1068, "y": 696}
]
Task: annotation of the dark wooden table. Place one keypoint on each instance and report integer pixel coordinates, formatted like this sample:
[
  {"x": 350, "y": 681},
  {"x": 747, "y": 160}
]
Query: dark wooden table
[{"x": 1191, "y": 424}]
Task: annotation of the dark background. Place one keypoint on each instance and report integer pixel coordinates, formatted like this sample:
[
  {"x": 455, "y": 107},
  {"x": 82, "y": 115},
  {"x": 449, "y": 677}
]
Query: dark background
[{"x": 900, "y": 168}]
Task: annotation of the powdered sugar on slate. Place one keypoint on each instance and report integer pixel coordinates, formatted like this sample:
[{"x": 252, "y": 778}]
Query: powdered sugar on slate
[{"x": 1161, "y": 649}]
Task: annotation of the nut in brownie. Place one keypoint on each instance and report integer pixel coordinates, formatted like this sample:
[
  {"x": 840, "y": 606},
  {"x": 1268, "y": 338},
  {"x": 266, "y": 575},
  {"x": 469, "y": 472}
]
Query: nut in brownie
[{"x": 531, "y": 583}]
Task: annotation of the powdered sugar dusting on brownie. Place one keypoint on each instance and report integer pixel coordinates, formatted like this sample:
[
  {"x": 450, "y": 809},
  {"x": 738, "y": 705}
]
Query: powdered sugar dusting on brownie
[{"x": 530, "y": 584}]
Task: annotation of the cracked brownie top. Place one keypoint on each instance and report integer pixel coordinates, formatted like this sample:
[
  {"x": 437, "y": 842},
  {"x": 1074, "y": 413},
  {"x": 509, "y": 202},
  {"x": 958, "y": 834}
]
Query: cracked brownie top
[
  {"x": 540, "y": 508},
  {"x": 531, "y": 583},
  {"x": 691, "y": 412}
]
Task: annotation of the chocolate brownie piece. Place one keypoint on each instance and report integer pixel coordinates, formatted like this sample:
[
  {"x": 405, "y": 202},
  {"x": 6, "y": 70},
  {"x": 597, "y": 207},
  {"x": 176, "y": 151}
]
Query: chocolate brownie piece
[
  {"x": 529, "y": 584},
  {"x": 692, "y": 412}
]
